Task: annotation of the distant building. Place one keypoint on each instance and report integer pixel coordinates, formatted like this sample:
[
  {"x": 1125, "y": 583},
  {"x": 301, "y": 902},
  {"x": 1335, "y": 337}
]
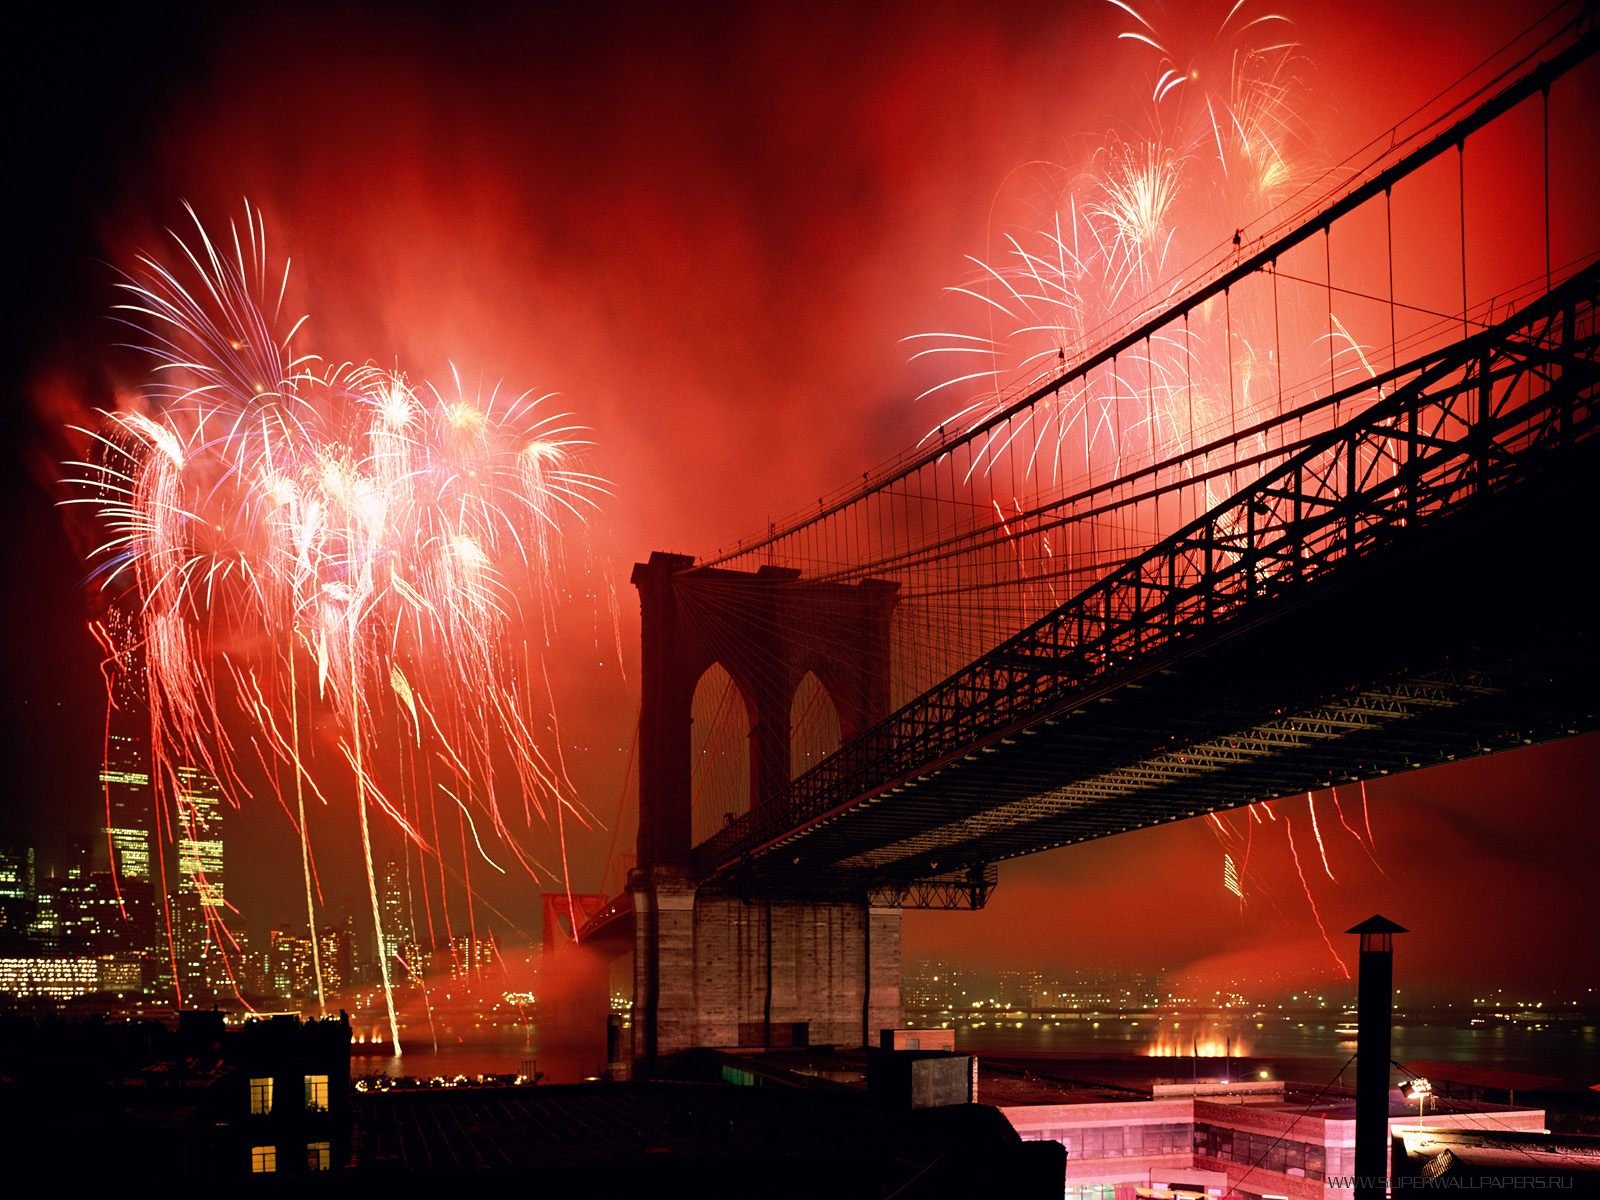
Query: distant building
[
  {"x": 85, "y": 900},
  {"x": 399, "y": 945},
  {"x": 199, "y": 823},
  {"x": 473, "y": 956},
  {"x": 130, "y": 806},
  {"x": 116, "y": 1102},
  {"x": 337, "y": 949},
  {"x": 290, "y": 969},
  {"x": 53, "y": 977},
  {"x": 18, "y": 893},
  {"x": 198, "y": 903},
  {"x": 1247, "y": 1139},
  {"x": 289, "y": 965}
]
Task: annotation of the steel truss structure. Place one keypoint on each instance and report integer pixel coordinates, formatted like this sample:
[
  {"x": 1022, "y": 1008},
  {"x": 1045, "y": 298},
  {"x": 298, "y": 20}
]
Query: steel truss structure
[
  {"x": 1247, "y": 656},
  {"x": 1382, "y": 592}
]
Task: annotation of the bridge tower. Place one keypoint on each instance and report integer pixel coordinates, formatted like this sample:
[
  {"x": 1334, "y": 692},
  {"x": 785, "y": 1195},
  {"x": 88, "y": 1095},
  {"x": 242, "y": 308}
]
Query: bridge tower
[{"x": 724, "y": 970}]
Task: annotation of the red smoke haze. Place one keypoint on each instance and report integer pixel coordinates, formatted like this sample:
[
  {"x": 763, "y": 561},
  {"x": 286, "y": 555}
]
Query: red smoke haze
[{"x": 709, "y": 229}]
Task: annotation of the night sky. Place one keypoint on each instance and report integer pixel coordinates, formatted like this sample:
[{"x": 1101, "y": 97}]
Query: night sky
[{"x": 709, "y": 227}]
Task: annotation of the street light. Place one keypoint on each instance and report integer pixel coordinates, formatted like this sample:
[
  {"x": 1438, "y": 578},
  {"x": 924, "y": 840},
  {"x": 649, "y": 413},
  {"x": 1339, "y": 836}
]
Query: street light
[{"x": 1420, "y": 1090}]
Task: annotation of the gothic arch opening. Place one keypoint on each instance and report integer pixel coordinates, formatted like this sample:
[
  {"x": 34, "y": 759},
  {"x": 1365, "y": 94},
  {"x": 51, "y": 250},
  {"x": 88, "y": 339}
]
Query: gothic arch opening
[
  {"x": 813, "y": 725},
  {"x": 719, "y": 750}
]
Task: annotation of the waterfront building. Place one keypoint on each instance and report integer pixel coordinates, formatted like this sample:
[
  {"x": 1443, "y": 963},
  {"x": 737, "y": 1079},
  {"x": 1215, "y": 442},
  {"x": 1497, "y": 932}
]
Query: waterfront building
[
  {"x": 1244, "y": 1139},
  {"x": 52, "y": 977}
]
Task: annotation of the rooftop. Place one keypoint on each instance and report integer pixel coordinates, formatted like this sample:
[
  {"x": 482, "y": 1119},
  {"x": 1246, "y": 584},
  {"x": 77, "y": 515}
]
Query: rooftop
[{"x": 772, "y": 1141}]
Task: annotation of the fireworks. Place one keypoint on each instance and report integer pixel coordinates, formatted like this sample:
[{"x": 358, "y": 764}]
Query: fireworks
[
  {"x": 1153, "y": 209},
  {"x": 1236, "y": 872},
  {"x": 296, "y": 537},
  {"x": 1124, "y": 236},
  {"x": 1288, "y": 826},
  {"x": 1218, "y": 1041},
  {"x": 1230, "y": 876},
  {"x": 1226, "y": 90}
]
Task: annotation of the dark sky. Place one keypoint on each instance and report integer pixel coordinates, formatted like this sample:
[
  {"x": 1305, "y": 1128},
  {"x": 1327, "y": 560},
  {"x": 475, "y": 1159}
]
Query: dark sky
[{"x": 709, "y": 227}]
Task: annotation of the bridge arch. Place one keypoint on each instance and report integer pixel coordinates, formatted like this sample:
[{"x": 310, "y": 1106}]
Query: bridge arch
[
  {"x": 768, "y": 629},
  {"x": 723, "y": 718},
  {"x": 815, "y": 729}
]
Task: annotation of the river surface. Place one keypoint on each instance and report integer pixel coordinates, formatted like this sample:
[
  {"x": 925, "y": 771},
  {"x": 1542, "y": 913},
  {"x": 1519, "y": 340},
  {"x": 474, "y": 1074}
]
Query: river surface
[{"x": 1566, "y": 1049}]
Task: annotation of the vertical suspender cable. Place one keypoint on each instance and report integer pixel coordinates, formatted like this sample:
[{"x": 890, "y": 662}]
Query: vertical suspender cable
[
  {"x": 1394, "y": 335},
  {"x": 1327, "y": 267},
  {"x": 1461, "y": 191},
  {"x": 1545, "y": 116}
]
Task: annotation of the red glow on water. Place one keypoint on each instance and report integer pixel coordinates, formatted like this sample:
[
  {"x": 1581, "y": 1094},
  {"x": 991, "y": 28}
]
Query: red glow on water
[{"x": 1197, "y": 1039}]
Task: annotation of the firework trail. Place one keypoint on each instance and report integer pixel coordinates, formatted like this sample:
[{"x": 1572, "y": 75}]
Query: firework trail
[
  {"x": 348, "y": 541},
  {"x": 1356, "y": 837},
  {"x": 1311, "y": 807},
  {"x": 1230, "y": 876},
  {"x": 1310, "y": 900}
]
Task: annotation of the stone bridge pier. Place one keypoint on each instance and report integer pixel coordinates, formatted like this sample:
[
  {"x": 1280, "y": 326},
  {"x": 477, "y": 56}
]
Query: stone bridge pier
[{"x": 722, "y": 970}]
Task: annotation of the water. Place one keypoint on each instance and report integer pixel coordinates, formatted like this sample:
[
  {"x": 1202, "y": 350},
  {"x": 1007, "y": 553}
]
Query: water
[
  {"x": 518, "y": 1050},
  {"x": 1567, "y": 1049}
]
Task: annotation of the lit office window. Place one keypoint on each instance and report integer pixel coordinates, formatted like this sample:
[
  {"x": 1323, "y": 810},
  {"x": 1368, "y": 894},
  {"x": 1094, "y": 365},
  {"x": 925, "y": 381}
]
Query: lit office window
[
  {"x": 260, "y": 1096},
  {"x": 263, "y": 1160},
  {"x": 316, "y": 1093},
  {"x": 319, "y": 1156}
]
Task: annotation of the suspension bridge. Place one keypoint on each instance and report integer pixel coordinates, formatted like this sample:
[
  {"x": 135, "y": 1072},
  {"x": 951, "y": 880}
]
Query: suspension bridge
[{"x": 1315, "y": 515}]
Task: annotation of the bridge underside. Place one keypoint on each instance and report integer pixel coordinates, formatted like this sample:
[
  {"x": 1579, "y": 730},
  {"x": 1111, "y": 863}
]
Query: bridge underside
[
  {"x": 1429, "y": 611},
  {"x": 1398, "y": 583},
  {"x": 1494, "y": 647}
]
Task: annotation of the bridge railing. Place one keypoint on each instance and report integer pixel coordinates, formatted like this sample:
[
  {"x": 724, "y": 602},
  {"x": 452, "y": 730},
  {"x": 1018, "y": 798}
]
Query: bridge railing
[{"x": 1460, "y": 423}]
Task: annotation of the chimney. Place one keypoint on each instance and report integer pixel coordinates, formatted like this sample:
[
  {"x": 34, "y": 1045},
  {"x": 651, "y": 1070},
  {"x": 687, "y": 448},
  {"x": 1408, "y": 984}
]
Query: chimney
[{"x": 1375, "y": 1005}]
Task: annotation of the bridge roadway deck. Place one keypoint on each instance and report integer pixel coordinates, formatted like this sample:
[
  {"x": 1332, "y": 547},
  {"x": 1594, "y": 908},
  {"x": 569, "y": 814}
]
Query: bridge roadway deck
[
  {"x": 1466, "y": 633},
  {"x": 1493, "y": 648}
]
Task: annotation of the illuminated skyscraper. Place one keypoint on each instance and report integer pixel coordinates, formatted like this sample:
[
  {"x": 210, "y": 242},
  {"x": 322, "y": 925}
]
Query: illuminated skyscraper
[
  {"x": 474, "y": 955},
  {"x": 125, "y": 774},
  {"x": 337, "y": 947},
  {"x": 17, "y": 893},
  {"x": 197, "y": 903},
  {"x": 126, "y": 780},
  {"x": 397, "y": 937},
  {"x": 199, "y": 809},
  {"x": 290, "y": 971}
]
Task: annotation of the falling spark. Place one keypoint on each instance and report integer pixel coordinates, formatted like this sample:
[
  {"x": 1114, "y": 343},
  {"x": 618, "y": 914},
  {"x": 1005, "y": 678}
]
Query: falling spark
[
  {"x": 1215, "y": 157},
  {"x": 1230, "y": 876},
  {"x": 1321, "y": 928},
  {"x": 1311, "y": 807},
  {"x": 1354, "y": 836}
]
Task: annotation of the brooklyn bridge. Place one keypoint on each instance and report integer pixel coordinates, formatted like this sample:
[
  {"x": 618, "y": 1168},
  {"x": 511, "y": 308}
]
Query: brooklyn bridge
[{"x": 1180, "y": 573}]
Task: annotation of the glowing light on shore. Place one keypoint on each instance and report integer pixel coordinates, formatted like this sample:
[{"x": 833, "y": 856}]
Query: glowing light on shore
[{"x": 1211, "y": 1042}]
